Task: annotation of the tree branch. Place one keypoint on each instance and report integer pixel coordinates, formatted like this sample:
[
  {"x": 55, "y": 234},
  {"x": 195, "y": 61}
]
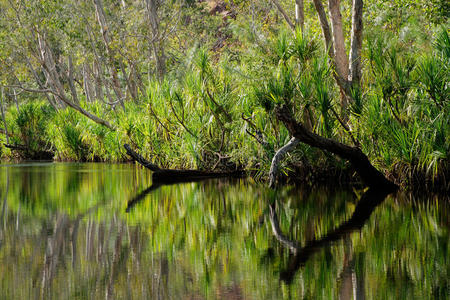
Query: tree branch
[
  {"x": 276, "y": 160},
  {"x": 360, "y": 162},
  {"x": 285, "y": 15}
]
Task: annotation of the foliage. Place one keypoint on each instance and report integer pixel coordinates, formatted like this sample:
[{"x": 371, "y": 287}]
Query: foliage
[{"x": 226, "y": 72}]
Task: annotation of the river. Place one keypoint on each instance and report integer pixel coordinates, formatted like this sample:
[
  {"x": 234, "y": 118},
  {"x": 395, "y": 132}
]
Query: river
[{"x": 103, "y": 231}]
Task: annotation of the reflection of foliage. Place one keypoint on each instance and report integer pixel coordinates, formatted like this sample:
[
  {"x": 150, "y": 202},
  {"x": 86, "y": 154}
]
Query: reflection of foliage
[{"x": 205, "y": 240}]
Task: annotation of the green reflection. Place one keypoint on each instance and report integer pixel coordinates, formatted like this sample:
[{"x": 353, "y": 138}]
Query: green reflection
[{"x": 92, "y": 231}]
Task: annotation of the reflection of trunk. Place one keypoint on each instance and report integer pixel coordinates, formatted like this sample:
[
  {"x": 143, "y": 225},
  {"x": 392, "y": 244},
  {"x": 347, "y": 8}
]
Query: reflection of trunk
[
  {"x": 365, "y": 207},
  {"x": 291, "y": 245},
  {"x": 368, "y": 173},
  {"x": 53, "y": 253},
  {"x": 360, "y": 278},
  {"x": 18, "y": 217},
  {"x": 141, "y": 196},
  {"x": 346, "y": 276},
  {"x": 100, "y": 242},
  {"x": 74, "y": 238},
  {"x": 163, "y": 277},
  {"x": 4, "y": 209},
  {"x": 115, "y": 264}
]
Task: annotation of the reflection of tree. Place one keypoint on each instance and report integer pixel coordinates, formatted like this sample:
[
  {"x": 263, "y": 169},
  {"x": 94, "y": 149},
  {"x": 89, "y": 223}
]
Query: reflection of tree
[
  {"x": 367, "y": 204},
  {"x": 65, "y": 231},
  {"x": 4, "y": 208},
  {"x": 156, "y": 185},
  {"x": 202, "y": 241},
  {"x": 141, "y": 196}
]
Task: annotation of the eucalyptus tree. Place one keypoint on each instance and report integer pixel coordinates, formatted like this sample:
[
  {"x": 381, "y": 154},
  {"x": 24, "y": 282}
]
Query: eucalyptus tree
[
  {"x": 39, "y": 32},
  {"x": 70, "y": 51}
]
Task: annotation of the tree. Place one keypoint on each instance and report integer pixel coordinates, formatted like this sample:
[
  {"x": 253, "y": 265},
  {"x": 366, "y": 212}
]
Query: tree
[{"x": 347, "y": 76}]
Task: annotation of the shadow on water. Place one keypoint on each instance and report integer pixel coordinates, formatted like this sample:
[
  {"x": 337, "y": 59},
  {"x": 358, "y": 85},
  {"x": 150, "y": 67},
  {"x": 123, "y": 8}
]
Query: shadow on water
[{"x": 300, "y": 255}]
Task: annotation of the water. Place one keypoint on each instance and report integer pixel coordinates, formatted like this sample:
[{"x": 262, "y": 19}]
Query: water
[{"x": 97, "y": 231}]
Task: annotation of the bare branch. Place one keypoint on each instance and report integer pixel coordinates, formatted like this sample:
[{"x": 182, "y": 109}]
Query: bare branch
[{"x": 285, "y": 15}]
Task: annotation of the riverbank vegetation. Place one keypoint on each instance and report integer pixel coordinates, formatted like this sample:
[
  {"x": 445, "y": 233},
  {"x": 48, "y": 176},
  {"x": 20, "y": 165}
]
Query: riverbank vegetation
[{"x": 195, "y": 84}]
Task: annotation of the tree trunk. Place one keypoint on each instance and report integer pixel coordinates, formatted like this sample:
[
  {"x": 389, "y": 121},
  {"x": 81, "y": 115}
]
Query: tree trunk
[
  {"x": 276, "y": 160},
  {"x": 158, "y": 49},
  {"x": 299, "y": 13},
  {"x": 49, "y": 67},
  {"x": 3, "y": 117},
  {"x": 338, "y": 38},
  {"x": 70, "y": 79},
  {"x": 39, "y": 83},
  {"x": 87, "y": 84},
  {"x": 98, "y": 75},
  {"x": 340, "y": 55},
  {"x": 172, "y": 176},
  {"x": 354, "y": 75},
  {"x": 15, "y": 100},
  {"x": 107, "y": 41},
  {"x": 326, "y": 31},
  {"x": 368, "y": 173}
]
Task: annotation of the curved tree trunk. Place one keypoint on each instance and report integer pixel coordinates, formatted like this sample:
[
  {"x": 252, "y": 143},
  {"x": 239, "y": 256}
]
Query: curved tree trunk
[
  {"x": 360, "y": 162},
  {"x": 276, "y": 160}
]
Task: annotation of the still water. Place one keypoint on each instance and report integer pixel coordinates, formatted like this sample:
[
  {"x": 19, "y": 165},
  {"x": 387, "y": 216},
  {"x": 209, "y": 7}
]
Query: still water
[{"x": 102, "y": 231}]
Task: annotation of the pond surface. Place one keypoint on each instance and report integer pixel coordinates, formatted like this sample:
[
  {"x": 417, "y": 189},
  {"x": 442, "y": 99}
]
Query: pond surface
[{"x": 101, "y": 231}]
